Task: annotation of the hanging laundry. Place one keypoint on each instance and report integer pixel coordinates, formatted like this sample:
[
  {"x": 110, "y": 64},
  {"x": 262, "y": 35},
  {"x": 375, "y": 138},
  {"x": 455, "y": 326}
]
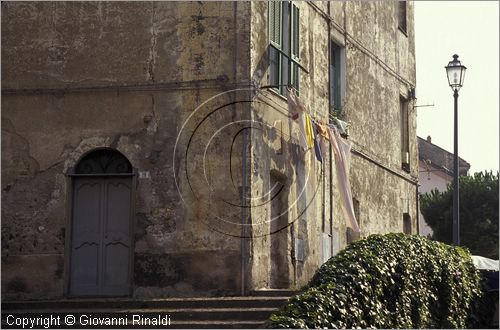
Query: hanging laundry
[
  {"x": 317, "y": 148},
  {"x": 302, "y": 136},
  {"x": 309, "y": 131},
  {"x": 323, "y": 145},
  {"x": 342, "y": 127},
  {"x": 323, "y": 131},
  {"x": 341, "y": 151},
  {"x": 297, "y": 111},
  {"x": 294, "y": 105}
]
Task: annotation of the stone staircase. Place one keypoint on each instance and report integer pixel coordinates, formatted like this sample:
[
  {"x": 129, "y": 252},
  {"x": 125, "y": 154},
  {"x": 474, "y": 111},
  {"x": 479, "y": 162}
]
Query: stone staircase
[{"x": 241, "y": 312}]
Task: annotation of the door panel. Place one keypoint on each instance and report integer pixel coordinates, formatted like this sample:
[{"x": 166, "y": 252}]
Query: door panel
[
  {"x": 85, "y": 273},
  {"x": 86, "y": 238},
  {"x": 117, "y": 216},
  {"x": 116, "y": 240},
  {"x": 86, "y": 213},
  {"x": 101, "y": 242}
]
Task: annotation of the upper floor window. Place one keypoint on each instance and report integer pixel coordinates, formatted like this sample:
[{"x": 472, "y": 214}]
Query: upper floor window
[
  {"x": 284, "y": 45},
  {"x": 402, "y": 15},
  {"x": 405, "y": 135},
  {"x": 337, "y": 77}
]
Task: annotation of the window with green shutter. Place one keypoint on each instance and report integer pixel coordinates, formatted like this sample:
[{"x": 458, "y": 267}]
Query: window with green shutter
[
  {"x": 337, "y": 78},
  {"x": 284, "y": 45}
]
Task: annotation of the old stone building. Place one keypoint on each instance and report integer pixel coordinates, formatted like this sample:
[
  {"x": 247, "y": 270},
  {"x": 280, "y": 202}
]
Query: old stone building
[{"x": 148, "y": 149}]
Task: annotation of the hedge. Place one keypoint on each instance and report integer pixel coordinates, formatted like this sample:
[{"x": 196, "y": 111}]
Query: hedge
[{"x": 389, "y": 281}]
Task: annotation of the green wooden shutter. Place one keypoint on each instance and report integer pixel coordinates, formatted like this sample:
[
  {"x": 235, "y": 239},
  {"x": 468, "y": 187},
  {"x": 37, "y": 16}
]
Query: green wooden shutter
[
  {"x": 275, "y": 23},
  {"x": 295, "y": 32},
  {"x": 295, "y": 45},
  {"x": 275, "y": 43}
]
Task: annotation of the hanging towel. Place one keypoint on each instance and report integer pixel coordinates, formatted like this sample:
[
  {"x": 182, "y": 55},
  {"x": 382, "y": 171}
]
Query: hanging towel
[
  {"x": 341, "y": 151},
  {"x": 309, "y": 131},
  {"x": 323, "y": 131},
  {"x": 323, "y": 145},
  {"x": 317, "y": 148},
  {"x": 302, "y": 137},
  {"x": 294, "y": 105},
  {"x": 297, "y": 112}
]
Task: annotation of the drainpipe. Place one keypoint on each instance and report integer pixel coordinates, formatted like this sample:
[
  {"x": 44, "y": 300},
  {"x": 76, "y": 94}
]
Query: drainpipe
[
  {"x": 243, "y": 211},
  {"x": 243, "y": 165},
  {"x": 417, "y": 208},
  {"x": 417, "y": 184},
  {"x": 330, "y": 157}
]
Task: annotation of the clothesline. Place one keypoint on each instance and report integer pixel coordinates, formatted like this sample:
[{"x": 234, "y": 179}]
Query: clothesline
[
  {"x": 310, "y": 140},
  {"x": 291, "y": 88},
  {"x": 315, "y": 134}
]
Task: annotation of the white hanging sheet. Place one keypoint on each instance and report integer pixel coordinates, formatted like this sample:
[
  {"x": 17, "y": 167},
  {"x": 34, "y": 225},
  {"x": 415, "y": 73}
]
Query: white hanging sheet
[{"x": 342, "y": 155}]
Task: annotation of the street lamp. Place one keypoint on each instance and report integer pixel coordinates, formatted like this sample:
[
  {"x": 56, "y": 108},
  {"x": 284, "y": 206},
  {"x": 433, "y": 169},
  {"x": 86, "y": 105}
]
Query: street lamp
[{"x": 456, "y": 74}]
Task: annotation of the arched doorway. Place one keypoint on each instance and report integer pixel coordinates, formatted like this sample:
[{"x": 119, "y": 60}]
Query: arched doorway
[{"x": 101, "y": 240}]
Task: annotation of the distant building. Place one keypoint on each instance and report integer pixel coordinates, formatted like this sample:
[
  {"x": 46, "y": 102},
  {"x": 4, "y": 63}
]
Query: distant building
[{"x": 435, "y": 172}]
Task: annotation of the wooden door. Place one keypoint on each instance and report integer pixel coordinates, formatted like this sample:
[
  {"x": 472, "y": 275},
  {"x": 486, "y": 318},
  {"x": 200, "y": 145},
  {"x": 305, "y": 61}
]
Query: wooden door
[{"x": 101, "y": 237}]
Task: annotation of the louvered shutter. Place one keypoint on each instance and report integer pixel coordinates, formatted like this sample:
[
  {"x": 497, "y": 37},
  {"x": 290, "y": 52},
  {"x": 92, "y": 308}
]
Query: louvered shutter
[
  {"x": 294, "y": 45},
  {"x": 275, "y": 23},
  {"x": 295, "y": 31}
]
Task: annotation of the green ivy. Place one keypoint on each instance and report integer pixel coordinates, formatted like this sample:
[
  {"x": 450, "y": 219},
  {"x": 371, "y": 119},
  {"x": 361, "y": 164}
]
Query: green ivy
[{"x": 389, "y": 281}]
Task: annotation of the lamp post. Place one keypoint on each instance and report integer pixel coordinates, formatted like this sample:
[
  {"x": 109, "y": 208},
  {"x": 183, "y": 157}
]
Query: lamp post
[{"x": 456, "y": 74}]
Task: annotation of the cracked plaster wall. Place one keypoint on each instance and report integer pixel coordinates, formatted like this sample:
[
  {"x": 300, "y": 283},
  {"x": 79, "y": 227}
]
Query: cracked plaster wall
[
  {"x": 370, "y": 105},
  {"x": 69, "y": 55},
  {"x": 372, "y": 109}
]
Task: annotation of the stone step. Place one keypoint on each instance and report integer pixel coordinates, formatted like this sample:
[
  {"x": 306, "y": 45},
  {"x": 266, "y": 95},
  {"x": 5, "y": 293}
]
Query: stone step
[
  {"x": 274, "y": 293},
  {"x": 186, "y": 313},
  {"x": 218, "y": 325},
  {"x": 129, "y": 324},
  {"x": 196, "y": 302}
]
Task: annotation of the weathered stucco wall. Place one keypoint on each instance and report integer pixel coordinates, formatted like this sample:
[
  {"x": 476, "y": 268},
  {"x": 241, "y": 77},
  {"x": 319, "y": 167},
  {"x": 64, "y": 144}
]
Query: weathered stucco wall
[
  {"x": 380, "y": 66},
  {"x": 78, "y": 76},
  {"x": 104, "y": 43},
  {"x": 285, "y": 179}
]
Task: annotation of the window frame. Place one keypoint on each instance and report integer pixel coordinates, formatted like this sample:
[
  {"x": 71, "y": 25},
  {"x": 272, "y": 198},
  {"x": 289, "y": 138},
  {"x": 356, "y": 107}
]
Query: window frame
[
  {"x": 288, "y": 50},
  {"x": 337, "y": 77},
  {"x": 402, "y": 9},
  {"x": 404, "y": 125}
]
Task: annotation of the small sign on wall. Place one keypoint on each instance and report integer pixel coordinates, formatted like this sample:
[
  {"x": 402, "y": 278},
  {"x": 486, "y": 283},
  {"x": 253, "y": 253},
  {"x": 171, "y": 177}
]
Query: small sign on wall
[{"x": 144, "y": 175}]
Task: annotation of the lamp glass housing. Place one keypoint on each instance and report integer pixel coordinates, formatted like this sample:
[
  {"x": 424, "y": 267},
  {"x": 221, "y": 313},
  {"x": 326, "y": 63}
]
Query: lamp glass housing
[{"x": 456, "y": 73}]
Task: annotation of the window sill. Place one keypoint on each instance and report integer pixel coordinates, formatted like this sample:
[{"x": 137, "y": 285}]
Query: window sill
[
  {"x": 277, "y": 93},
  {"x": 406, "y": 167}
]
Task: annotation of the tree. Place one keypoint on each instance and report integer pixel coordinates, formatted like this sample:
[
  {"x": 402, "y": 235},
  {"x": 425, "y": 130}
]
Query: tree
[{"x": 478, "y": 213}]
